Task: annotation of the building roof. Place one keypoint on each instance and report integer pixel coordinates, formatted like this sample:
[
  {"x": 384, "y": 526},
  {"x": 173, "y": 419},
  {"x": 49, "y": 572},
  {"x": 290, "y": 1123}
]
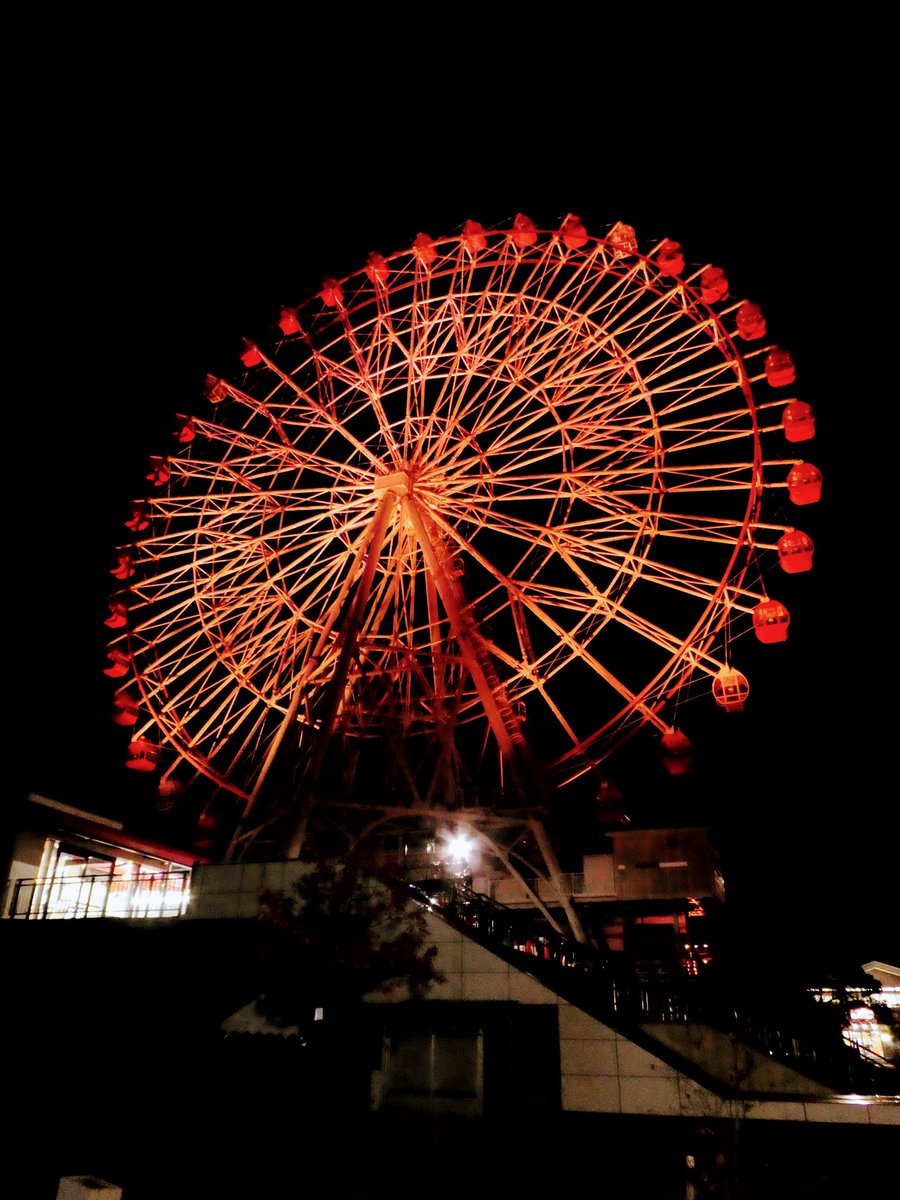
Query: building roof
[
  {"x": 112, "y": 833},
  {"x": 883, "y": 972}
]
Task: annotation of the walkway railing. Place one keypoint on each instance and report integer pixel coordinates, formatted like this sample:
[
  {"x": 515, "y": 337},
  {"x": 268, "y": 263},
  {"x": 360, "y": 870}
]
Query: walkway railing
[{"x": 161, "y": 894}]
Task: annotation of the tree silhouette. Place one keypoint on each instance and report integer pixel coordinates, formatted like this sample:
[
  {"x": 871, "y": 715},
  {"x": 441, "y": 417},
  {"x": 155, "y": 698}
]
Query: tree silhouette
[{"x": 339, "y": 935}]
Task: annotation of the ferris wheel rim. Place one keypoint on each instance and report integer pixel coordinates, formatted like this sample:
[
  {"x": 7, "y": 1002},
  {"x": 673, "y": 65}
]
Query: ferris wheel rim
[{"x": 688, "y": 652}]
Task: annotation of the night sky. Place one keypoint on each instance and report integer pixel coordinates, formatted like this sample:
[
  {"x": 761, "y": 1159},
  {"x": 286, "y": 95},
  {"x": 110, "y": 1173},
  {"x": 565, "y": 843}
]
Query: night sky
[{"x": 174, "y": 203}]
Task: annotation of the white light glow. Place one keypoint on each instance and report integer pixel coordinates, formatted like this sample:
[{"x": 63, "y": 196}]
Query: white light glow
[{"x": 458, "y": 850}]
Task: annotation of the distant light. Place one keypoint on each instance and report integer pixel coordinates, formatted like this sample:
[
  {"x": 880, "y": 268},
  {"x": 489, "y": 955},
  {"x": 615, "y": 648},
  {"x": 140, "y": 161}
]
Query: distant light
[{"x": 863, "y": 1013}]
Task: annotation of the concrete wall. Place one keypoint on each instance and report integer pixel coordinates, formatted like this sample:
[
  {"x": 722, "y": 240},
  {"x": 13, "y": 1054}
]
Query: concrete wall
[
  {"x": 604, "y": 1072},
  {"x": 652, "y": 864},
  {"x": 601, "y": 1071},
  {"x": 229, "y": 890}
]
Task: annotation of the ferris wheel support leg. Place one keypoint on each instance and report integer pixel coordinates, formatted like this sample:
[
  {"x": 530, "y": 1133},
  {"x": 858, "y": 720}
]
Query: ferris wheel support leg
[
  {"x": 497, "y": 707},
  {"x": 369, "y": 551},
  {"x": 532, "y": 895},
  {"x": 348, "y": 645},
  {"x": 549, "y": 856}
]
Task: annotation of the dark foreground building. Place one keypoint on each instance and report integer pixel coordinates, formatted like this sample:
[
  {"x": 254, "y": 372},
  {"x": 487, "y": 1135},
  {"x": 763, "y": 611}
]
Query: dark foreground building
[{"x": 136, "y": 1052}]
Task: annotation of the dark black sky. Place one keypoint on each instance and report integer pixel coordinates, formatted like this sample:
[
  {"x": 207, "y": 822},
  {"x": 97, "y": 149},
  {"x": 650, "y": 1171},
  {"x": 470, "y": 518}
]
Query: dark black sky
[{"x": 171, "y": 199}]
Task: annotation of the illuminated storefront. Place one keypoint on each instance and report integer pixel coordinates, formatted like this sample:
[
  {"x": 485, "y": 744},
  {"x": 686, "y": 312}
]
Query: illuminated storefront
[
  {"x": 70, "y": 865},
  {"x": 76, "y": 883}
]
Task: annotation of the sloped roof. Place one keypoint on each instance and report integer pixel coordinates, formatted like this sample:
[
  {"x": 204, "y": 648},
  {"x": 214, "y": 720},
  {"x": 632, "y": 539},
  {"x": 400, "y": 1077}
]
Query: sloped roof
[
  {"x": 883, "y": 972},
  {"x": 249, "y": 1019}
]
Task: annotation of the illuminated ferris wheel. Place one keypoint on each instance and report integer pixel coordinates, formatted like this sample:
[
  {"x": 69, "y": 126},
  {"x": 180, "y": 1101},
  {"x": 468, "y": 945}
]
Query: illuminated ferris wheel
[{"x": 464, "y": 522}]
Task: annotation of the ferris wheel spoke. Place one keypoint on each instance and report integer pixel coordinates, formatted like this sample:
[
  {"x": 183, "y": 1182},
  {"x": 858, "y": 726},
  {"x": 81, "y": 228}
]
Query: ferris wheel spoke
[
  {"x": 326, "y": 412},
  {"x": 210, "y": 705},
  {"x": 567, "y": 638},
  {"x": 247, "y": 447},
  {"x": 659, "y": 328},
  {"x": 664, "y": 372},
  {"x": 588, "y": 596}
]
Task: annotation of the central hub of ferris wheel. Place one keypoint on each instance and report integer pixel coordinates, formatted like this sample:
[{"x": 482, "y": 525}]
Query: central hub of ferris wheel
[{"x": 398, "y": 482}]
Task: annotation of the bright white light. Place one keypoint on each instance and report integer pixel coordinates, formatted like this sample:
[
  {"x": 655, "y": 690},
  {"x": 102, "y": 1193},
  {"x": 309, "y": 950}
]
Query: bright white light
[{"x": 458, "y": 849}]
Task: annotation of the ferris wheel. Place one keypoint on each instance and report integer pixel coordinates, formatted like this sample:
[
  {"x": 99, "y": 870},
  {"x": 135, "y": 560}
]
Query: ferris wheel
[{"x": 463, "y": 523}]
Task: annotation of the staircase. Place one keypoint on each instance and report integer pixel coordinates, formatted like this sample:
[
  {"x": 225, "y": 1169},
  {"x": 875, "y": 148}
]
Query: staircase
[{"x": 664, "y": 1015}]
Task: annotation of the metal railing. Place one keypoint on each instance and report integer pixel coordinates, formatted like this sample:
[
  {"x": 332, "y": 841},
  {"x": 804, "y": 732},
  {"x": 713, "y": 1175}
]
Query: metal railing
[
  {"x": 161, "y": 894},
  {"x": 793, "y": 1030}
]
